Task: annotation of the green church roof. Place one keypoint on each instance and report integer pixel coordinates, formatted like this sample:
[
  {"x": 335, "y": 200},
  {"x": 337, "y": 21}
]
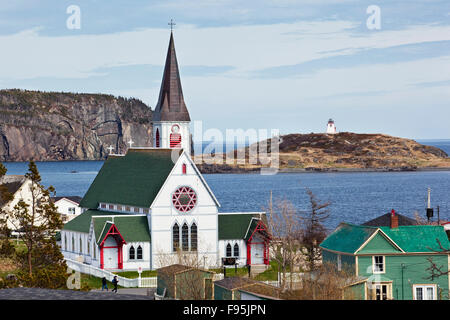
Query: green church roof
[
  {"x": 236, "y": 225},
  {"x": 348, "y": 238},
  {"x": 132, "y": 228},
  {"x": 82, "y": 223},
  {"x": 134, "y": 179}
]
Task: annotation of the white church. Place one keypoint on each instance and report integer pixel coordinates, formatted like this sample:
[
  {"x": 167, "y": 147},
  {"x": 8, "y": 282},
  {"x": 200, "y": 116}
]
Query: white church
[{"x": 148, "y": 205}]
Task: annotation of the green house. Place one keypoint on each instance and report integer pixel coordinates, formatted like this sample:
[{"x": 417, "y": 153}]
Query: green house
[{"x": 390, "y": 262}]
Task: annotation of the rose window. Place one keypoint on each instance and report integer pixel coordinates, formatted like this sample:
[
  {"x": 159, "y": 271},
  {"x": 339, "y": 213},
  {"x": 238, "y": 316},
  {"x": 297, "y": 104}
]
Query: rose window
[{"x": 184, "y": 199}]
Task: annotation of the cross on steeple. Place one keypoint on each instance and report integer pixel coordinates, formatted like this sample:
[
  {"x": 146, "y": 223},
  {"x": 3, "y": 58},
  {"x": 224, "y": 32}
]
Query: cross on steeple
[{"x": 171, "y": 24}]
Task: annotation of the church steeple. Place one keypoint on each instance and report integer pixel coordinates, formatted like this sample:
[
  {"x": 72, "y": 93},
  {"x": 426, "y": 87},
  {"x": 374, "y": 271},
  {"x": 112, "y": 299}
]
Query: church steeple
[{"x": 171, "y": 106}]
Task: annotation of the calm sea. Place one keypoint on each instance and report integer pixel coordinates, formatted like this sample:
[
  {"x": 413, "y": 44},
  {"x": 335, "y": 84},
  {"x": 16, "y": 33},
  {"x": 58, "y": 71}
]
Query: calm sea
[{"x": 354, "y": 197}]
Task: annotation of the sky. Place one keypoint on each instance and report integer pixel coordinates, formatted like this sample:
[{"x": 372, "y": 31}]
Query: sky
[{"x": 266, "y": 64}]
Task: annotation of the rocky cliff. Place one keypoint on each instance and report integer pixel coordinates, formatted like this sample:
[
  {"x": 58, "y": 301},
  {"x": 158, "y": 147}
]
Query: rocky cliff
[{"x": 48, "y": 126}]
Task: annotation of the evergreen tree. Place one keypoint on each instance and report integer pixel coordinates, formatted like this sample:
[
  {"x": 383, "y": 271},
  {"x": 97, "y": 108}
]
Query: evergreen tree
[{"x": 38, "y": 221}]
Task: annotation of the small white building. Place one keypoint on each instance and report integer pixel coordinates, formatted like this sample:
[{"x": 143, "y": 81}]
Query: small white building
[
  {"x": 68, "y": 207},
  {"x": 331, "y": 128}
]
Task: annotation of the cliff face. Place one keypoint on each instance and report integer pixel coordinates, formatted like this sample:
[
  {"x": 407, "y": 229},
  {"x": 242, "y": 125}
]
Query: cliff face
[{"x": 48, "y": 126}]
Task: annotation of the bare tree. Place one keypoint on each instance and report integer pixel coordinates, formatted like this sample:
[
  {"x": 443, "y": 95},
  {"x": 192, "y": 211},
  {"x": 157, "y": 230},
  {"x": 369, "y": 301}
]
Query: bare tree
[{"x": 313, "y": 230}]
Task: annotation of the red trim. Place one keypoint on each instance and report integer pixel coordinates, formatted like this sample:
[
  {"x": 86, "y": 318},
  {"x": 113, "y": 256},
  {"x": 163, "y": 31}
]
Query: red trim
[
  {"x": 113, "y": 231},
  {"x": 249, "y": 253},
  {"x": 259, "y": 227}
]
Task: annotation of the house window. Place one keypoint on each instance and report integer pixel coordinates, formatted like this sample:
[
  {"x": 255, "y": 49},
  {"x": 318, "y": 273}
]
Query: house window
[
  {"x": 378, "y": 264},
  {"x": 236, "y": 250},
  {"x": 381, "y": 292},
  {"x": 228, "y": 251},
  {"x": 71, "y": 210},
  {"x": 185, "y": 237},
  {"x": 139, "y": 253},
  {"x": 424, "y": 292},
  {"x": 194, "y": 237},
  {"x": 131, "y": 253},
  {"x": 184, "y": 168},
  {"x": 175, "y": 237}
]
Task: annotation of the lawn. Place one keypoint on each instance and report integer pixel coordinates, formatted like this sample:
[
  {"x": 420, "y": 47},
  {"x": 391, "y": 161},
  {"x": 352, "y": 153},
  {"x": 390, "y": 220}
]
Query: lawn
[
  {"x": 135, "y": 274},
  {"x": 94, "y": 283},
  {"x": 231, "y": 272},
  {"x": 270, "y": 274}
]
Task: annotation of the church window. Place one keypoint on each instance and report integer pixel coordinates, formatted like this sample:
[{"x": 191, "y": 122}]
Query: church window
[
  {"x": 236, "y": 250},
  {"x": 103, "y": 205},
  {"x": 146, "y": 210},
  {"x": 136, "y": 210},
  {"x": 184, "y": 168},
  {"x": 184, "y": 199},
  {"x": 89, "y": 248},
  {"x": 131, "y": 253},
  {"x": 175, "y": 137},
  {"x": 95, "y": 252},
  {"x": 139, "y": 253},
  {"x": 111, "y": 206},
  {"x": 65, "y": 242},
  {"x": 127, "y": 209},
  {"x": 73, "y": 243},
  {"x": 81, "y": 245},
  {"x": 175, "y": 237},
  {"x": 228, "y": 253},
  {"x": 185, "y": 237},
  {"x": 119, "y": 207},
  {"x": 194, "y": 237},
  {"x": 157, "y": 138}
]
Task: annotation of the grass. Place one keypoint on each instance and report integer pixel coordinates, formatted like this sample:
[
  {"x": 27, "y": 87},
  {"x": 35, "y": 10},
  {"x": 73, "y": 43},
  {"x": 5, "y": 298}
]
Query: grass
[
  {"x": 271, "y": 274},
  {"x": 231, "y": 272},
  {"x": 94, "y": 283},
  {"x": 135, "y": 274}
]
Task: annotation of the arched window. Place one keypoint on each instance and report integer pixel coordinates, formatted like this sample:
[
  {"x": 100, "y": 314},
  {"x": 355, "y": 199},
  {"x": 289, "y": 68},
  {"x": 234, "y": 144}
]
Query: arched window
[
  {"x": 81, "y": 245},
  {"x": 73, "y": 243},
  {"x": 157, "y": 143},
  {"x": 194, "y": 237},
  {"x": 185, "y": 237},
  {"x": 65, "y": 242},
  {"x": 184, "y": 168},
  {"x": 139, "y": 253},
  {"x": 228, "y": 250},
  {"x": 175, "y": 237},
  {"x": 89, "y": 248},
  {"x": 95, "y": 252},
  {"x": 236, "y": 250},
  {"x": 131, "y": 253}
]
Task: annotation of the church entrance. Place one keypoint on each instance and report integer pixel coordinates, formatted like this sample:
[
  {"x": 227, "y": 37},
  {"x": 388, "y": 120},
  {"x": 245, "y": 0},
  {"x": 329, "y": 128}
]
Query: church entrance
[
  {"x": 258, "y": 245},
  {"x": 257, "y": 251},
  {"x": 111, "y": 256}
]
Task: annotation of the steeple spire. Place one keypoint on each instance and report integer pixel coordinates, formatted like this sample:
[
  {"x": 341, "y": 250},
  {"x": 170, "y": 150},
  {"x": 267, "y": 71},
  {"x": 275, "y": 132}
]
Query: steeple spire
[{"x": 171, "y": 106}]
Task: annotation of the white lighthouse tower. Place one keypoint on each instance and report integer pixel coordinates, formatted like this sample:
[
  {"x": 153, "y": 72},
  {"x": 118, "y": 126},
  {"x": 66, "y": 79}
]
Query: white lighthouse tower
[{"x": 331, "y": 128}]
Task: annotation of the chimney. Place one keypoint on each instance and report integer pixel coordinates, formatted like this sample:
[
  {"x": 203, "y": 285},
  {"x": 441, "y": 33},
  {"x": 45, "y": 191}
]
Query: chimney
[{"x": 394, "y": 219}]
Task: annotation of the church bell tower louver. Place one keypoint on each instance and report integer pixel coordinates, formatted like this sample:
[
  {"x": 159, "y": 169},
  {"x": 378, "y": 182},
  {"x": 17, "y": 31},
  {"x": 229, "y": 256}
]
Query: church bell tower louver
[{"x": 171, "y": 118}]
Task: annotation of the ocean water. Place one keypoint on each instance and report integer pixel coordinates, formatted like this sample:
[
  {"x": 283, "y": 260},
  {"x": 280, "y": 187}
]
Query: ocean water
[{"x": 355, "y": 197}]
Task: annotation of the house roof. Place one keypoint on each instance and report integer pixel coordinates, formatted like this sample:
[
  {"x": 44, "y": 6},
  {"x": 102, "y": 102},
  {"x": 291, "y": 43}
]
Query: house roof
[
  {"x": 237, "y": 225},
  {"x": 75, "y": 199},
  {"x": 264, "y": 291},
  {"x": 385, "y": 221},
  {"x": 133, "y": 179},
  {"x": 133, "y": 228},
  {"x": 12, "y": 183},
  {"x": 233, "y": 283},
  {"x": 171, "y": 106},
  {"x": 348, "y": 238},
  {"x": 178, "y": 268}
]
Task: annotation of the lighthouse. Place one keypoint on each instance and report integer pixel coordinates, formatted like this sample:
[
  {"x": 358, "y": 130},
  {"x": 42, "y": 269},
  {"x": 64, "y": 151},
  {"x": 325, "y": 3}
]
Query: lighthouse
[{"x": 331, "y": 128}]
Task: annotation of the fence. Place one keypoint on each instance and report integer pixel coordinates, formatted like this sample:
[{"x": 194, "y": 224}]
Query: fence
[{"x": 100, "y": 273}]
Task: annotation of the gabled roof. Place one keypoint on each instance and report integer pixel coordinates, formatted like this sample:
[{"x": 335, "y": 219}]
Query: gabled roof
[
  {"x": 134, "y": 179},
  {"x": 133, "y": 228},
  {"x": 179, "y": 268},
  {"x": 171, "y": 106},
  {"x": 12, "y": 184},
  {"x": 350, "y": 238},
  {"x": 238, "y": 225},
  {"x": 385, "y": 221},
  {"x": 233, "y": 283},
  {"x": 75, "y": 199}
]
